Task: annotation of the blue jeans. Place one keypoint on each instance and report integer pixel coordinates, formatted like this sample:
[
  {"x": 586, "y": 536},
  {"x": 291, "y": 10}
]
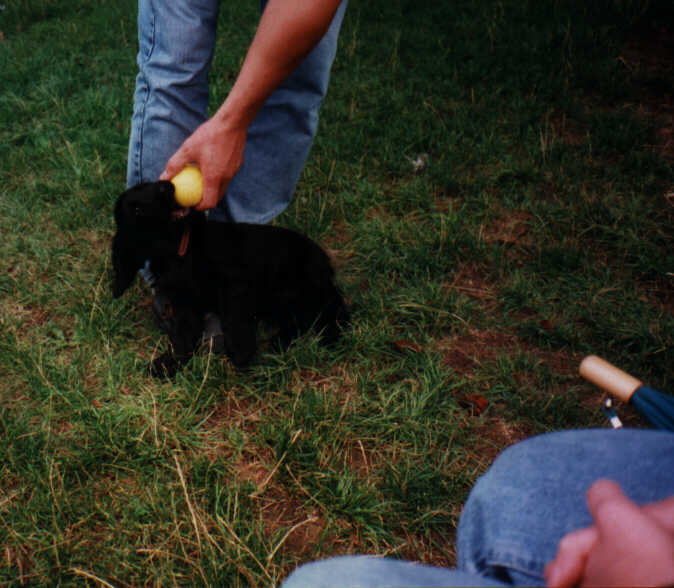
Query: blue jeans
[
  {"x": 176, "y": 44},
  {"x": 517, "y": 512}
]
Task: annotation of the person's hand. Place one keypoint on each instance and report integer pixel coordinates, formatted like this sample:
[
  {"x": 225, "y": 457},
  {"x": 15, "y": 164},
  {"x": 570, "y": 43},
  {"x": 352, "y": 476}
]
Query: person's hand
[
  {"x": 217, "y": 148},
  {"x": 288, "y": 31},
  {"x": 628, "y": 545}
]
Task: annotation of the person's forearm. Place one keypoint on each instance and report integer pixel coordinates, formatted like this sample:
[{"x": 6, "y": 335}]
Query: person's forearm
[{"x": 288, "y": 31}]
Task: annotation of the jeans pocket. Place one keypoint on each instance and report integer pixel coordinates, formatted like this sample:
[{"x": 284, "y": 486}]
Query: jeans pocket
[{"x": 146, "y": 29}]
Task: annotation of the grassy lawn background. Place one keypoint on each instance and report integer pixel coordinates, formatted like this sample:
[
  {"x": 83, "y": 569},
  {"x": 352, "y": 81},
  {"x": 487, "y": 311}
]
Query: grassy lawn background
[{"x": 537, "y": 230}]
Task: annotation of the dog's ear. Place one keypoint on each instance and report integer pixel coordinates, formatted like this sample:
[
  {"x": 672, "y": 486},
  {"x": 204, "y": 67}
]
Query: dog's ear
[
  {"x": 125, "y": 264},
  {"x": 119, "y": 209},
  {"x": 132, "y": 204}
]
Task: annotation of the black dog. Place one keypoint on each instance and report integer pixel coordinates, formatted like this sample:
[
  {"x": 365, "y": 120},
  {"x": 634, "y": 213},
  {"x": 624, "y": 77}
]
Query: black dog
[{"x": 242, "y": 272}]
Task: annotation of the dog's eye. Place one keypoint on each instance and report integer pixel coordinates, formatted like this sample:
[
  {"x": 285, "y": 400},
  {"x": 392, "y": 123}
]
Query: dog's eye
[{"x": 136, "y": 210}]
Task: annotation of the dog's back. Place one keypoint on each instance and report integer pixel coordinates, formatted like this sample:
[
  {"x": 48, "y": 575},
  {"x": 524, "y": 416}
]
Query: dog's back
[{"x": 293, "y": 275}]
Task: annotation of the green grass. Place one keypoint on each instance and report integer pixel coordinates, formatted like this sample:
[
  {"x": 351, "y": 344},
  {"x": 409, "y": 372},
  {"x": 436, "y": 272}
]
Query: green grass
[{"x": 538, "y": 231}]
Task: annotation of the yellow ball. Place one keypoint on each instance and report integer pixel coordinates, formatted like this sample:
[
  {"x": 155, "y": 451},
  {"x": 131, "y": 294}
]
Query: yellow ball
[{"x": 189, "y": 186}]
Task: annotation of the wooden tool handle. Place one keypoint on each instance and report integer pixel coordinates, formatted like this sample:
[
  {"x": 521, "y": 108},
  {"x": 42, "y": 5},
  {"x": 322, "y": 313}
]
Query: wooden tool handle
[{"x": 608, "y": 377}]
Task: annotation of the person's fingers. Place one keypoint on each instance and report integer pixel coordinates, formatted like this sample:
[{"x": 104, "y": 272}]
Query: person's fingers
[
  {"x": 663, "y": 512},
  {"x": 214, "y": 188},
  {"x": 210, "y": 196},
  {"x": 633, "y": 548},
  {"x": 567, "y": 567}
]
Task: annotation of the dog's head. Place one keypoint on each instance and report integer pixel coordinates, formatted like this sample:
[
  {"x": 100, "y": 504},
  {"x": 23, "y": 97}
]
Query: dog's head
[
  {"x": 145, "y": 217},
  {"x": 146, "y": 205}
]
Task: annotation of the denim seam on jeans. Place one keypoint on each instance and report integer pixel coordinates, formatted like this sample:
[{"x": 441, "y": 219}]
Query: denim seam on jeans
[
  {"x": 151, "y": 37},
  {"x": 145, "y": 50},
  {"x": 509, "y": 563},
  {"x": 136, "y": 149}
]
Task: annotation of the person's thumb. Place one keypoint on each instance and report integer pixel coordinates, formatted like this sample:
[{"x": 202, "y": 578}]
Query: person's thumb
[
  {"x": 608, "y": 506},
  {"x": 175, "y": 164}
]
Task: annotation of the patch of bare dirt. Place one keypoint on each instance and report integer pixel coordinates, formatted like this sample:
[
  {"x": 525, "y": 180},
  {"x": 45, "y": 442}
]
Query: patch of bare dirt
[
  {"x": 659, "y": 292},
  {"x": 26, "y": 316},
  {"x": 433, "y": 548},
  {"x": 466, "y": 351},
  {"x": 239, "y": 412},
  {"x": 510, "y": 227},
  {"x": 472, "y": 281},
  {"x": 649, "y": 56},
  {"x": 494, "y": 435},
  {"x": 235, "y": 411},
  {"x": 566, "y": 130},
  {"x": 299, "y": 526},
  {"x": 444, "y": 201},
  {"x": 21, "y": 558},
  {"x": 650, "y": 50},
  {"x": 255, "y": 467},
  {"x": 362, "y": 457},
  {"x": 296, "y": 523}
]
